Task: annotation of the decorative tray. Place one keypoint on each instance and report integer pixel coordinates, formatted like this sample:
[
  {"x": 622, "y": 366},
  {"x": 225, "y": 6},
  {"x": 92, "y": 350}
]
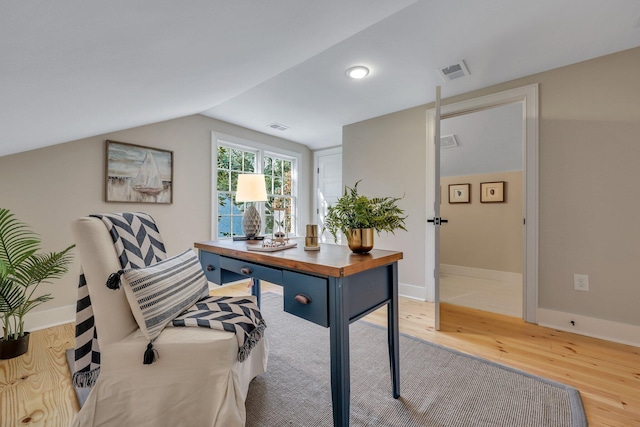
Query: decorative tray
[{"x": 260, "y": 248}]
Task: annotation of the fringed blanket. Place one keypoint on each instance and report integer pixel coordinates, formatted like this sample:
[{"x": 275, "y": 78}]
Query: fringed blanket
[
  {"x": 138, "y": 243},
  {"x": 239, "y": 315}
]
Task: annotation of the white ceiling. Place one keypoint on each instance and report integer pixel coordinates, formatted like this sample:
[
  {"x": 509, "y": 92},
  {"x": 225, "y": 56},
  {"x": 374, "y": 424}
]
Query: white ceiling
[{"x": 71, "y": 69}]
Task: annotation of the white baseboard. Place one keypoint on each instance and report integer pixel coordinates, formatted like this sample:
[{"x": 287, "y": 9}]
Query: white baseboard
[
  {"x": 481, "y": 273},
  {"x": 596, "y": 328},
  {"x": 42, "y": 319},
  {"x": 412, "y": 291}
]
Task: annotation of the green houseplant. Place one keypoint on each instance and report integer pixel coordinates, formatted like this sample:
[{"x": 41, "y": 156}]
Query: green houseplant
[
  {"x": 22, "y": 270},
  {"x": 356, "y": 216}
]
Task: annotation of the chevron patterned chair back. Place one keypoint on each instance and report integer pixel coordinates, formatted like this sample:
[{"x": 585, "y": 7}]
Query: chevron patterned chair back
[{"x": 197, "y": 380}]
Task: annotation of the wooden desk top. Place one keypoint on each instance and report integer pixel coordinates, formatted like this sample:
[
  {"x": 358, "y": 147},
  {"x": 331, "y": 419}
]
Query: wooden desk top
[{"x": 330, "y": 260}]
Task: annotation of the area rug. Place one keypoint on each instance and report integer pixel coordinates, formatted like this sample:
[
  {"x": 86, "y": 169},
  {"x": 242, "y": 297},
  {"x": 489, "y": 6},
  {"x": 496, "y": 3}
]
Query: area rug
[{"x": 439, "y": 387}]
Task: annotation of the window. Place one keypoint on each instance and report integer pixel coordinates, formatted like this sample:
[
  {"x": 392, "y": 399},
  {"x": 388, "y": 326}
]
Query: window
[
  {"x": 231, "y": 161},
  {"x": 280, "y": 209},
  {"x": 280, "y": 170}
]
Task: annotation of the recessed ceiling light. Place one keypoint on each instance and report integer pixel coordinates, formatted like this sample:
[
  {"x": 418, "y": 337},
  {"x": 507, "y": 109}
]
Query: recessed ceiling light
[{"x": 358, "y": 72}]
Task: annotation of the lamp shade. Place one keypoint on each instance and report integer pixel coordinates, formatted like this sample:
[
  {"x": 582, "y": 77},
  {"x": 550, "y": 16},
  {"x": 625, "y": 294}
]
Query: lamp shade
[{"x": 251, "y": 188}]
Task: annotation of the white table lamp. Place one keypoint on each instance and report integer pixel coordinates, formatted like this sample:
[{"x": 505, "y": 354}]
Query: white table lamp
[{"x": 251, "y": 188}]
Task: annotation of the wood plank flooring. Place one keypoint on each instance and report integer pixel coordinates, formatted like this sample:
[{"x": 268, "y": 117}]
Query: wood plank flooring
[{"x": 35, "y": 389}]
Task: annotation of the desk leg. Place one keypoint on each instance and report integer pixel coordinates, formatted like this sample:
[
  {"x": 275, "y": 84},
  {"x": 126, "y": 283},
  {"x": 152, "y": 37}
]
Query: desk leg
[
  {"x": 393, "y": 333},
  {"x": 255, "y": 290},
  {"x": 339, "y": 337}
]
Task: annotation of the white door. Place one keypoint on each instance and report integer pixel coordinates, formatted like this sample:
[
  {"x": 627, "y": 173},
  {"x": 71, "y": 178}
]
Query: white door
[
  {"x": 328, "y": 164},
  {"x": 433, "y": 207}
]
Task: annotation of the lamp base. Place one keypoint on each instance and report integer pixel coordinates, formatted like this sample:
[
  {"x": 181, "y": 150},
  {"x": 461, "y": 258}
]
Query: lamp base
[{"x": 251, "y": 223}]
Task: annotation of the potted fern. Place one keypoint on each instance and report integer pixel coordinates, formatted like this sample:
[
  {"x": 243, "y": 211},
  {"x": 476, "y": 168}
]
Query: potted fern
[
  {"x": 357, "y": 216},
  {"x": 22, "y": 270}
]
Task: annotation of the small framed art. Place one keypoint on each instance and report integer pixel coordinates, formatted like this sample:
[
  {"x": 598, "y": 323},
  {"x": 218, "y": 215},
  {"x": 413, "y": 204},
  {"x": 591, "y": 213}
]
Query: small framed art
[
  {"x": 492, "y": 192},
  {"x": 459, "y": 193},
  {"x": 138, "y": 174}
]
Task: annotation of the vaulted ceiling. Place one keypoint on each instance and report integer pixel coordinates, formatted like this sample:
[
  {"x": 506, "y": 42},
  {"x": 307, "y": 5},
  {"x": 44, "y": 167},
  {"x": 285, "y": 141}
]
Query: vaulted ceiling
[{"x": 71, "y": 69}]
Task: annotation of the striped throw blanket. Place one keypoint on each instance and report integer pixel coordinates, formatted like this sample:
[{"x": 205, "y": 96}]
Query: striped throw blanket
[
  {"x": 239, "y": 315},
  {"x": 138, "y": 244}
]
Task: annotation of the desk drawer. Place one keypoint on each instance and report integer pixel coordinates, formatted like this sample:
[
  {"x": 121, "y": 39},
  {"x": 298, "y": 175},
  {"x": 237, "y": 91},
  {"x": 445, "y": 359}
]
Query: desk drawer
[
  {"x": 314, "y": 289},
  {"x": 249, "y": 269},
  {"x": 211, "y": 266}
]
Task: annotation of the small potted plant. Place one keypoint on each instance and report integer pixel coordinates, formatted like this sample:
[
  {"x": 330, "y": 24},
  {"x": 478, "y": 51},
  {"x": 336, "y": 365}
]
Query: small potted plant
[
  {"x": 356, "y": 216},
  {"x": 22, "y": 270}
]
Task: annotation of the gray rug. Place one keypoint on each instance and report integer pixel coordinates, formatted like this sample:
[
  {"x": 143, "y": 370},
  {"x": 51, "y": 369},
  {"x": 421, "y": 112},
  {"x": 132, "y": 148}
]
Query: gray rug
[{"x": 439, "y": 387}]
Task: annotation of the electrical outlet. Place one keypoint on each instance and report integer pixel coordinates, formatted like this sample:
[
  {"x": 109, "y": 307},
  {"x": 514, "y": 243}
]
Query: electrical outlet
[{"x": 581, "y": 282}]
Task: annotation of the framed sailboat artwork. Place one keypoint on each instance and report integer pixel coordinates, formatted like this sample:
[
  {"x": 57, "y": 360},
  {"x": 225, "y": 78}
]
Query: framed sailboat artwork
[{"x": 138, "y": 174}]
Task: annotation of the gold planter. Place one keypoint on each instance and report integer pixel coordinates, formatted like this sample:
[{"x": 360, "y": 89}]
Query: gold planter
[{"x": 360, "y": 240}]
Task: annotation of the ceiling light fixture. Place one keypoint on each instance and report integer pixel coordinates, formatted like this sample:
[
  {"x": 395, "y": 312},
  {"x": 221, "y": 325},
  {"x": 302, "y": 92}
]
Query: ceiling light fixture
[{"x": 358, "y": 72}]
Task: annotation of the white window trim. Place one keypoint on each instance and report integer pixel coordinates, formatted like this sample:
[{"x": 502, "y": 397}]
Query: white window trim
[{"x": 262, "y": 149}]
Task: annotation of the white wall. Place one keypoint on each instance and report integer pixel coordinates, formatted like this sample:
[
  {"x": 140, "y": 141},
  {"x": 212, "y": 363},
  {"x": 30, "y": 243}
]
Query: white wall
[{"x": 488, "y": 141}]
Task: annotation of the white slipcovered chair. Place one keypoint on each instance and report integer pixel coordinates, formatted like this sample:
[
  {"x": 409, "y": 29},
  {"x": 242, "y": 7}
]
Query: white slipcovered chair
[{"x": 197, "y": 379}]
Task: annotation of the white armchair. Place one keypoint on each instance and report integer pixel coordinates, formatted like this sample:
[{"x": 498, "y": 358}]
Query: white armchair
[{"x": 197, "y": 379}]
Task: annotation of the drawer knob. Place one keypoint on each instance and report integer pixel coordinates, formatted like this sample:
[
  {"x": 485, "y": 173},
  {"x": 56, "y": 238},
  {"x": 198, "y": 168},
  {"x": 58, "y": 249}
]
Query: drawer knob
[
  {"x": 245, "y": 270},
  {"x": 303, "y": 299},
  {"x": 210, "y": 267}
]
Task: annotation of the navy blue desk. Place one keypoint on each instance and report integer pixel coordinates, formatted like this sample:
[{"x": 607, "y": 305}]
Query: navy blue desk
[{"x": 332, "y": 287}]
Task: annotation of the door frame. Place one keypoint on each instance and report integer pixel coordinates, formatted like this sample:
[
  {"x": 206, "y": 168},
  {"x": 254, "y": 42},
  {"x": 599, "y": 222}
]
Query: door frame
[
  {"x": 316, "y": 162},
  {"x": 528, "y": 96}
]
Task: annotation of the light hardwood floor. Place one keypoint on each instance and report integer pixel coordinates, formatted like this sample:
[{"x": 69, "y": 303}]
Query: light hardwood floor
[{"x": 35, "y": 389}]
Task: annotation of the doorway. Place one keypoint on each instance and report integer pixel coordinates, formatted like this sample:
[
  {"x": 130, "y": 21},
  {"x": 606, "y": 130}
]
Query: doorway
[
  {"x": 528, "y": 96},
  {"x": 481, "y": 254},
  {"x": 328, "y": 186}
]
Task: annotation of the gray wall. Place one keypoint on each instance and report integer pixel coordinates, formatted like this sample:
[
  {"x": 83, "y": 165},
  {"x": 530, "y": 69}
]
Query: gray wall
[
  {"x": 483, "y": 235},
  {"x": 49, "y": 187},
  {"x": 589, "y": 174},
  {"x": 385, "y": 154}
]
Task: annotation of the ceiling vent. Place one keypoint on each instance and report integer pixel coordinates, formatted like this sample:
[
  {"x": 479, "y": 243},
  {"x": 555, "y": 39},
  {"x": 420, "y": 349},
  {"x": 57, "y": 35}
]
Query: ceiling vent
[
  {"x": 278, "y": 126},
  {"x": 448, "y": 141},
  {"x": 453, "y": 72}
]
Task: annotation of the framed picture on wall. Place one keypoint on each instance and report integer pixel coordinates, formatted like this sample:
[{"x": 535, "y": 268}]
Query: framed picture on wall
[
  {"x": 492, "y": 192},
  {"x": 138, "y": 174},
  {"x": 459, "y": 193}
]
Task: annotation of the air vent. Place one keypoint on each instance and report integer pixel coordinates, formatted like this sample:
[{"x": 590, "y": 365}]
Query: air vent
[
  {"x": 448, "y": 141},
  {"x": 278, "y": 126},
  {"x": 453, "y": 72}
]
